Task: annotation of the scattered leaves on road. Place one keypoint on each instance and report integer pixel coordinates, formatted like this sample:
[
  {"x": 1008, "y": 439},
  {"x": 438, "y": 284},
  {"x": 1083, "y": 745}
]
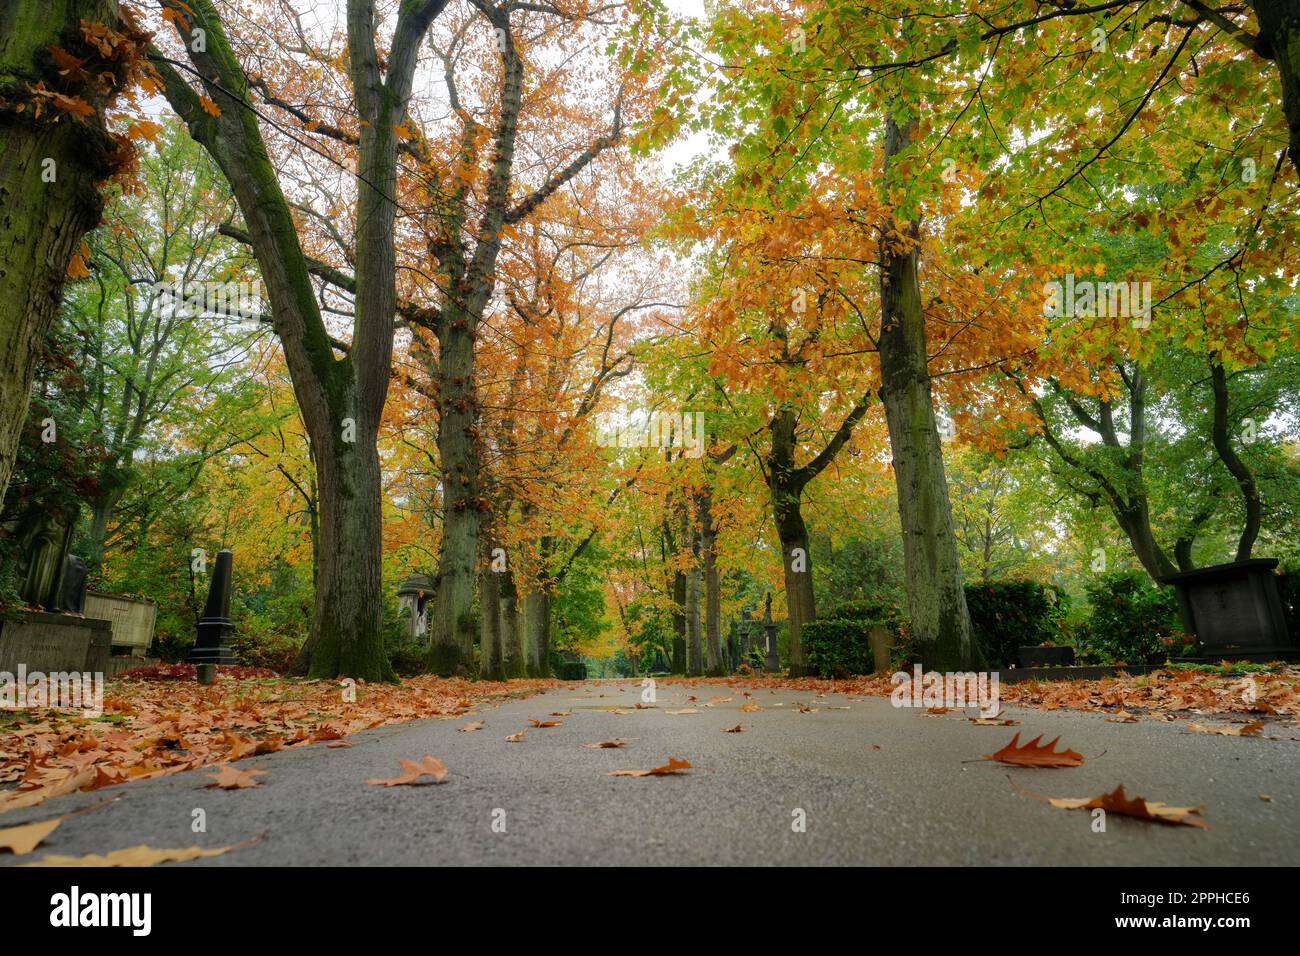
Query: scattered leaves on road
[
  {"x": 546, "y": 723},
  {"x": 606, "y": 745},
  {"x": 472, "y": 725}
]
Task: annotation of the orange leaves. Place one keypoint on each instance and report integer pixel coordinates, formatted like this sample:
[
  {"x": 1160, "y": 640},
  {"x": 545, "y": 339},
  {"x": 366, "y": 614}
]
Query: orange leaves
[
  {"x": 673, "y": 766},
  {"x": 1119, "y": 803},
  {"x": 733, "y": 730},
  {"x": 1034, "y": 755},
  {"x": 162, "y": 724},
  {"x": 232, "y": 778},
  {"x": 24, "y": 839},
  {"x": 546, "y": 723},
  {"x": 209, "y": 106},
  {"x": 140, "y": 856},
  {"x": 413, "y": 772},
  {"x": 78, "y": 267},
  {"x": 1251, "y": 729}
]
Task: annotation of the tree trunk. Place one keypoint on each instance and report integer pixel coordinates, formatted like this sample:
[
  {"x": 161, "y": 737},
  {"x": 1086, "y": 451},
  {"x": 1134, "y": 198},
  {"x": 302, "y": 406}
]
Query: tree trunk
[
  {"x": 512, "y": 648},
  {"x": 714, "y": 662},
  {"x": 1279, "y": 33},
  {"x": 452, "y": 642},
  {"x": 491, "y": 656},
  {"x": 347, "y": 636},
  {"x": 796, "y": 560},
  {"x": 48, "y": 199},
  {"x": 537, "y": 633},
  {"x": 101, "y": 513},
  {"x": 694, "y": 661},
  {"x": 935, "y": 595},
  {"x": 1228, "y": 455}
]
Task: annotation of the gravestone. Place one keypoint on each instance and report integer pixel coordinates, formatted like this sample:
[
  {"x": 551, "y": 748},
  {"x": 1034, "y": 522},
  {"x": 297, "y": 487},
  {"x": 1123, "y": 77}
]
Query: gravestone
[
  {"x": 72, "y": 592},
  {"x": 773, "y": 656},
  {"x": 212, "y": 645},
  {"x": 1234, "y": 610}
]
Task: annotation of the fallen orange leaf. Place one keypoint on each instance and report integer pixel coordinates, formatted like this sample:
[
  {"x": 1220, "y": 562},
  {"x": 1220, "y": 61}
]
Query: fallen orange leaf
[{"x": 1034, "y": 755}]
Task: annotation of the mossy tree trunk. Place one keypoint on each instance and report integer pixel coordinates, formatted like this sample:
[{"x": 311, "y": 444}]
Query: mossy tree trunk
[
  {"x": 341, "y": 399},
  {"x": 936, "y": 598},
  {"x": 49, "y": 168}
]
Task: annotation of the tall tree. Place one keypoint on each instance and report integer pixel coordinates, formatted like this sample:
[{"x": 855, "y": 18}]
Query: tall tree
[
  {"x": 62, "y": 65},
  {"x": 341, "y": 398}
]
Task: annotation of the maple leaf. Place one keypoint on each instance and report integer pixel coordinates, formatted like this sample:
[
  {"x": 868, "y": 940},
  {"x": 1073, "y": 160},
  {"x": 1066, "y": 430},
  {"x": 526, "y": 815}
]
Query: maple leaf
[
  {"x": 671, "y": 767},
  {"x": 1034, "y": 755},
  {"x": 412, "y": 772},
  {"x": 230, "y": 777}
]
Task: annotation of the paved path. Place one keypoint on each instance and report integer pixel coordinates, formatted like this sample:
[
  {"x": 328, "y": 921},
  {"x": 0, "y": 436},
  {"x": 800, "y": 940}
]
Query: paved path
[{"x": 878, "y": 785}]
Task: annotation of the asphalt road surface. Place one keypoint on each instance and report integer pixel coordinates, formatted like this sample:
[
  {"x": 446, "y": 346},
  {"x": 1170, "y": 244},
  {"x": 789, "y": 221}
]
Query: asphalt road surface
[{"x": 871, "y": 783}]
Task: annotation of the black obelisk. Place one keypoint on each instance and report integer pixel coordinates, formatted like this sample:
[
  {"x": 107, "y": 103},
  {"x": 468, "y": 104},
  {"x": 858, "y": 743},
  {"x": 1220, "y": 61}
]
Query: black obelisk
[{"x": 212, "y": 646}]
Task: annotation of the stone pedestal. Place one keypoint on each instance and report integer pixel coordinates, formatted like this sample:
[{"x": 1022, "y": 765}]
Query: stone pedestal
[{"x": 1234, "y": 611}]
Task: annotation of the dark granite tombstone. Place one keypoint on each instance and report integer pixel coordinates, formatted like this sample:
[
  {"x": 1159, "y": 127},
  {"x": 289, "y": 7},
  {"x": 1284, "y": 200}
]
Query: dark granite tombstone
[
  {"x": 773, "y": 657},
  {"x": 72, "y": 591},
  {"x": 1234, "y": 611},
  {"x": 212, "y": 646}
]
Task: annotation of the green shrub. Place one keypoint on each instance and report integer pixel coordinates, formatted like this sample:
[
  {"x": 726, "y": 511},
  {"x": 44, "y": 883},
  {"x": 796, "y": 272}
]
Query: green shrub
[
  {"x": 839, "y": 643},
  {"x": 1005, "y": 615},
  {"x": 1132, "y": 620}
]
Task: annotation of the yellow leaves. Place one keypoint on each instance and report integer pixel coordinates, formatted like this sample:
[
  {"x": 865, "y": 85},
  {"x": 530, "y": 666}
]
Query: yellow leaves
[{"x": 209, "y": 107}]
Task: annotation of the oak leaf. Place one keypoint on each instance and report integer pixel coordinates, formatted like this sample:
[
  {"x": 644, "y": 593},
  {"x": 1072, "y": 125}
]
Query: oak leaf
[
  {"x": 413, "y": 771},
  {"x": 1033, "y": 754},
  {"x": 671, "y": 767}
]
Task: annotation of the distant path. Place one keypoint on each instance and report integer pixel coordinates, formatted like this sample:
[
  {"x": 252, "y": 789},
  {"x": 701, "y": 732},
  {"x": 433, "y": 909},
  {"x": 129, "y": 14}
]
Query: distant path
[{"x": 912, "y": 801}]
